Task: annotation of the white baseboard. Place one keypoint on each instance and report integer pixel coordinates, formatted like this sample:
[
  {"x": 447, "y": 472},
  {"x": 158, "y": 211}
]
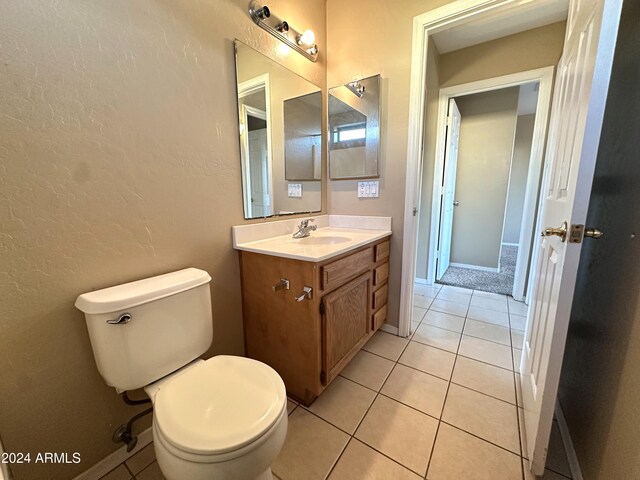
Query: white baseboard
[
  {"x": 421, "y": 281},
  {"x": 474, "y": 267},
  {"x": 572, "y": 457},
  {"x": 389, "y": 329},
  {"x": 110, "y": 462},
  {"x": 511, "y": 244}
]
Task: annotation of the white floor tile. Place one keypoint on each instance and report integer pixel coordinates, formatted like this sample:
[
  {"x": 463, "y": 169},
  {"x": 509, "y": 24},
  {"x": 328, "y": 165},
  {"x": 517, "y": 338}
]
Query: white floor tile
[
  {"x": 417, "y": 389},
  {"x": 485, "y": 351},
  {"x": 400, "y": 432},
  {"x": 517, "y": 308},
  {"x": 482, "y": 377},
  {"x": 495, "y": 296},
  {"x": 444, "y": 320},
  {"x": 490, "y": 419},
  {"x": 449, "y": 307},
  {"x": 343, "y": 404},
  {"x": 427, "y": 290},
  {"x": 458, "y": 455},
  {"x": 422, "y": 301},
  {"x": 363, "y": 462},
  {"x": 489, "y": 316},
  {"x": 455, "y": 297},
  {"x": 428, "y": 359},
  {"x": 487, "y": 331},
  {"x": 450, "y": 288},
  {"x": 386, "y": 345},
  {"x": 437, "y": 337},
  {"x": 518, "y": 322},
  {"x": 497, "y": 305}
]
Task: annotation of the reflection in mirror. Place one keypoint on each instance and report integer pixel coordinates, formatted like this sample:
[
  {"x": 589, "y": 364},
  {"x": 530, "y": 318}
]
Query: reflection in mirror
[
  {"x": 303, "y": 137},
  {"x": 354, "y": 129},
  {"x": 280, "y": 115}
]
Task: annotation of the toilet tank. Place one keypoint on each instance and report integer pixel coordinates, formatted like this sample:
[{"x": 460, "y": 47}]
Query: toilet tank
[{"x": 170, "y": 325}]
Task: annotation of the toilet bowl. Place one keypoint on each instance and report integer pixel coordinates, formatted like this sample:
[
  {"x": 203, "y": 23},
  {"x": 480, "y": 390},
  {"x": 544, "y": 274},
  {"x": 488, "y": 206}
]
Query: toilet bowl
[{"x": 223, "y": 418}]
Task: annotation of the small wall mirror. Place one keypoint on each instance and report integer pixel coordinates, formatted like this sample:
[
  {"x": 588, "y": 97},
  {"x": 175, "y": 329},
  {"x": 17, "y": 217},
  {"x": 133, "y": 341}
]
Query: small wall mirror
[
  {"x": 280, "y": 127},
  {"x": 354, "y": 129}
]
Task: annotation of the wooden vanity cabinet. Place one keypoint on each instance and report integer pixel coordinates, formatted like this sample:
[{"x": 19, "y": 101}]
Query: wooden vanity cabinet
[{"x": 309, "y": 342}]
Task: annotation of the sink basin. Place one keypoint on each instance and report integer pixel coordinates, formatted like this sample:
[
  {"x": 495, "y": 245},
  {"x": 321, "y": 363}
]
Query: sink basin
[{"x": 320, "y": 240}]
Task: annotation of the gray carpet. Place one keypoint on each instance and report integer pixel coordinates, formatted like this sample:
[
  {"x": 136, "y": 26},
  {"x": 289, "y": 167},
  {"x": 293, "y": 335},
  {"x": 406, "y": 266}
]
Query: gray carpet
[{"x": 501, "y": 282}]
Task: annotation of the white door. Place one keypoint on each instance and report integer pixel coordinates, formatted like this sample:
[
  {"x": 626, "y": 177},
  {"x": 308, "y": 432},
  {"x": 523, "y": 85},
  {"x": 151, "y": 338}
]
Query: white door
[
  {"x": 258, "y": 160},
  {"x": 448, "y": 188},
  {"x": 576, "y": 119}
]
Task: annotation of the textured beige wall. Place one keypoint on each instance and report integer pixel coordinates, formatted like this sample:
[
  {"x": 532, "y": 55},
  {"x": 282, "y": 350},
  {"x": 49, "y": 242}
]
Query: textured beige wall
[
  {"x": 119, "y": 159},
  {"x": 487, "y": 131},
  {"x": 518, "y": 178},
  {"x": 365, "y": 39},
  {"x": 540, "y": 47}
]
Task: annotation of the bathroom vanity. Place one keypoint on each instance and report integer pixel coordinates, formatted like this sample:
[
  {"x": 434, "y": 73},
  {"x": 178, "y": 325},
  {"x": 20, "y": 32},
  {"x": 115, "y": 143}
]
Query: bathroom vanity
[{"x": 310, "y": 304}]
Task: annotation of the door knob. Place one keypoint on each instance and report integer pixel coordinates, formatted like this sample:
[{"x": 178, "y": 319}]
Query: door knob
[
  {"x": 456, "y": 203},
  {"x": 559, "y": 232},
  {"x": 593, "y": 233}
]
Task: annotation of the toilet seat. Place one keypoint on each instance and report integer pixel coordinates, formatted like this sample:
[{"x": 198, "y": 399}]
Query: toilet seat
[{"x": 219, "y": 406}]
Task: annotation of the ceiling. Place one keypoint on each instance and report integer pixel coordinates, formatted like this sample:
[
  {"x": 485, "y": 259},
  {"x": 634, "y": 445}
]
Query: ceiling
[{"x": 534, "y": 14}]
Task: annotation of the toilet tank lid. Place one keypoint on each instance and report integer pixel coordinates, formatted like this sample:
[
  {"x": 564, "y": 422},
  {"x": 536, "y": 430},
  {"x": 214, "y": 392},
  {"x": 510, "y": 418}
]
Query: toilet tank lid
[{"x": 127, "y": 295}]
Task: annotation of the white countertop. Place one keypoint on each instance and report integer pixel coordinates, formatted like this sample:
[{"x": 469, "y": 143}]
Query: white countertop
[{"x": 324, "y": 243}]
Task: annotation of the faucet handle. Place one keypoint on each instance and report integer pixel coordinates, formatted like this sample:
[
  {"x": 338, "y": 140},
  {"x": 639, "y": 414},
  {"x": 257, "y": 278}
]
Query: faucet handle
[{"x": 305, "y": 223}]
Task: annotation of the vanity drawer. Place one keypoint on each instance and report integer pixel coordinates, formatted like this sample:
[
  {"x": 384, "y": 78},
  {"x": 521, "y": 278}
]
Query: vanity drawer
[
  {"x": 379, "y": 317},
  {"x": 381, "y": 251},
  {"x": 338, "y": 272},
  {"x": 380, "y": 274},
  {"x": 380, "y": 297}
]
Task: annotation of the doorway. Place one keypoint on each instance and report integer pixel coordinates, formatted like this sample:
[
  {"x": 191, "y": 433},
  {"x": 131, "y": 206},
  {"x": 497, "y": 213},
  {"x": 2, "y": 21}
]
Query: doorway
[
  {"x": 255, "y": 142},
  {"x": 479, "y": 222}
]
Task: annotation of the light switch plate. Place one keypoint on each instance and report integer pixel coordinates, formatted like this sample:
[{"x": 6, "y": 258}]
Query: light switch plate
[
  {"x": 375, "y": 188},
  {"x": 369, "y": 189}
]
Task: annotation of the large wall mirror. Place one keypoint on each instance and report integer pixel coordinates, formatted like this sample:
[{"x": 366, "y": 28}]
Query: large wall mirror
[
  {"x": 354, "y": 129},
  {"x": 281, "y": 136}
]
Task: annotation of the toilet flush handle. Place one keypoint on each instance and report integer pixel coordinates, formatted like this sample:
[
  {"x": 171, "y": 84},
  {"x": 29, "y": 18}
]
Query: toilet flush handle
[{"x": 121, "y": 320}]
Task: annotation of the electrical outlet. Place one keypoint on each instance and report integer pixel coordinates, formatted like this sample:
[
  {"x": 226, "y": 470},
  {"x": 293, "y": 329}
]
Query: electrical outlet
[{"x": 294, "y": 190}]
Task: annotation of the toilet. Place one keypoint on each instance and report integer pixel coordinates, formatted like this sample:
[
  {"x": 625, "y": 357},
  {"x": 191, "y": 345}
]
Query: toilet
[{"x": 222, "y": 418}]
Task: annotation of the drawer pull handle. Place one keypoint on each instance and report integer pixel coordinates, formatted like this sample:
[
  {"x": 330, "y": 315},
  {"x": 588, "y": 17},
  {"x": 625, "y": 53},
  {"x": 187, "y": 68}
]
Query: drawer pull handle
[{"x": 307, "y": 292}]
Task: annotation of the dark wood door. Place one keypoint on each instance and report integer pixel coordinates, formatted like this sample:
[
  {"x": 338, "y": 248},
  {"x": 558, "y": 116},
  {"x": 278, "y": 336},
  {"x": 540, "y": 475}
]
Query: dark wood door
[{"x": 346, "y": 324}]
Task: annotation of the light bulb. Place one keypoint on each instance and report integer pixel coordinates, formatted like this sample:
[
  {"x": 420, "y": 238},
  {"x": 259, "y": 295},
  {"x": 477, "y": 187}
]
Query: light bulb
[{"x": 308, "y": 38}]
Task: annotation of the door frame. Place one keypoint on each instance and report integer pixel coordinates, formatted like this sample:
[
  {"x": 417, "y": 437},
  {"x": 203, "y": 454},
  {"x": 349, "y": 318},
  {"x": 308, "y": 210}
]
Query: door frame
[
  {"x": 448, "y": 16},
  {"x": 544, "y": 76},
  {"x": 245, "y": 89}
]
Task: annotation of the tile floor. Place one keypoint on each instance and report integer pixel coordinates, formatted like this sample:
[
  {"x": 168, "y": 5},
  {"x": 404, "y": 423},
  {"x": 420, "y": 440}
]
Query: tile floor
[{"x": 440, "y": 405}]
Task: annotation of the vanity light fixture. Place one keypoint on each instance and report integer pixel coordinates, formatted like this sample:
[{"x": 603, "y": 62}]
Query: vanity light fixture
[
  {"x": 303, "y": 43},
  {"x": 356, "y": 88}
]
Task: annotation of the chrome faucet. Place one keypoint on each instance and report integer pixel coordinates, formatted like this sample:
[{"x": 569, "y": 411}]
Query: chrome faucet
[{"x": 304, "y": 229}]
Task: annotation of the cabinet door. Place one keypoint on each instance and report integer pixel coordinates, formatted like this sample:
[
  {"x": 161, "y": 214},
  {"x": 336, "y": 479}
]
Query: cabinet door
[{"x": 345, "y": 324}]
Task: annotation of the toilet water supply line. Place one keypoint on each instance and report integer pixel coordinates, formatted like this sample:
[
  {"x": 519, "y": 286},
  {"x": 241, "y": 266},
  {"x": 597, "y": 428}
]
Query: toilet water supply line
[{"x": 124, "y": 432}]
